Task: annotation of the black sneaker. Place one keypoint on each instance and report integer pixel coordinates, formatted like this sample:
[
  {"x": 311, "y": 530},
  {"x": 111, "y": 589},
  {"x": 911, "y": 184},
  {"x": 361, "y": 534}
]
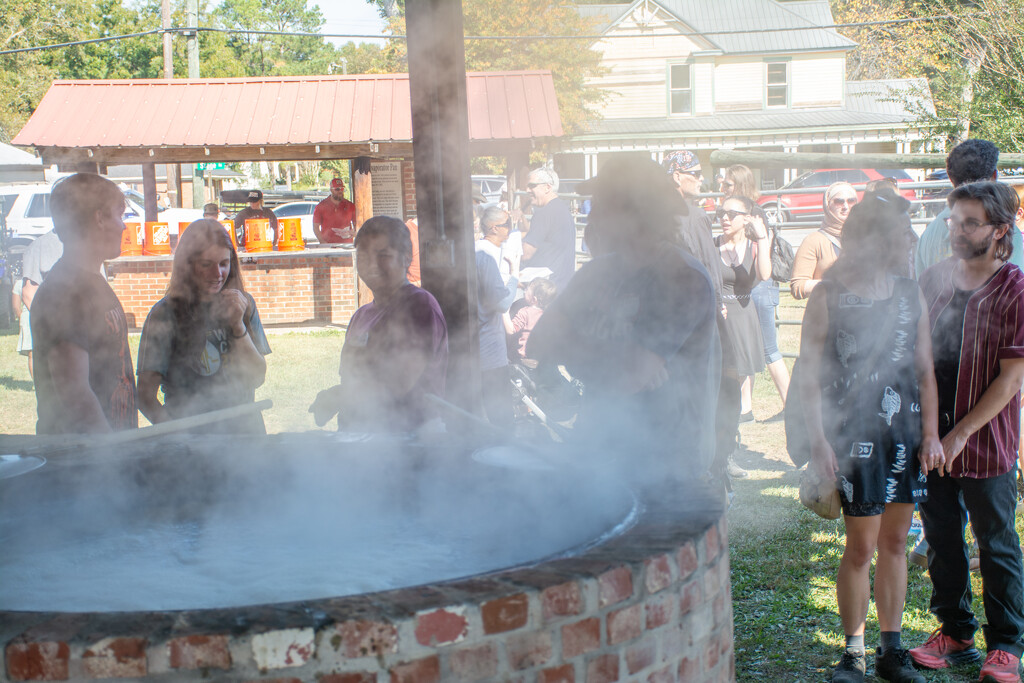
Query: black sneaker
[
  {"x": 851, "y": 668},
  {"x": 896, "y": 666}
]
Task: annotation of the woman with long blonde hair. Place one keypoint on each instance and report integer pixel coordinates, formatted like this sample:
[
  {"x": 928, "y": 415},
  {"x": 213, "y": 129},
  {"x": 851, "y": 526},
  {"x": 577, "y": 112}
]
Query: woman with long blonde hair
[{"x": 203, "y": 343}]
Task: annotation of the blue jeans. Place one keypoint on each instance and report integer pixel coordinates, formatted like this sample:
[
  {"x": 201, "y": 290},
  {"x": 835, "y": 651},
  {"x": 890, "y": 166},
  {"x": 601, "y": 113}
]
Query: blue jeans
[
  {"x": 991, "y": 503},
  {"x": 766, "y": 297}
]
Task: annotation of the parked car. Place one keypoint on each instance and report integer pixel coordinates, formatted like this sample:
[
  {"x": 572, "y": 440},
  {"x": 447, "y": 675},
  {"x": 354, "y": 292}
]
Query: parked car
[
  {"x": 934, "y": 198},
  {"x": 806, "y": 206},
  {"x": 28, "y": 211},
  {"x": 304, "y": 212},
  {"x": 492, "y": 187}
]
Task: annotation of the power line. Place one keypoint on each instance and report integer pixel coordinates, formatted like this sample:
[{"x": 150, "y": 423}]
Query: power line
[{"x": 674, "y": 34}]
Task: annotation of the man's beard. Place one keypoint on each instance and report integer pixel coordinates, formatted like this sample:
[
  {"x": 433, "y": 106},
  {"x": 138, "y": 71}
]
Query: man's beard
[{"x": 973, "y": 249}]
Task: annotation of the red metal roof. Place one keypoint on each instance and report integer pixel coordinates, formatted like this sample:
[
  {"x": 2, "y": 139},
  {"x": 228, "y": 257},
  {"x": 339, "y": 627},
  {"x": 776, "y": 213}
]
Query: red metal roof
[{"x": 277, "y": 111}]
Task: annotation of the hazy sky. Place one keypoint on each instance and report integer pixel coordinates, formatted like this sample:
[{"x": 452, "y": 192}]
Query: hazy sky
[{"x": 349, "y": 16}]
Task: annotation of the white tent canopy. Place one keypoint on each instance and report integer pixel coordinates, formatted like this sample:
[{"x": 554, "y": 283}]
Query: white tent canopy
[{"x": 18, "y": 166}]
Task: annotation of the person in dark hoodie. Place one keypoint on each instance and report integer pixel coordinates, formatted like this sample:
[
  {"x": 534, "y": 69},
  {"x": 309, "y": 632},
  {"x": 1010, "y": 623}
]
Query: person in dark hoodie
[{"x": 637, "y": 326}]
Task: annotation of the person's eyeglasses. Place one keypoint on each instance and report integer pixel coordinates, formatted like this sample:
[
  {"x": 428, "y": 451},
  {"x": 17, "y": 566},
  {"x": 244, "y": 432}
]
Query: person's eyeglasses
[
  {"x": 507, "y": 225},
  {"x": 726, "y": 183},
  {"x": 694, "y": 172},
  {"x": 530, "y": 186},
  {"x": 966, "y": 227},
  {"x": 730, "y": 213},
  {"x": 838, "y": 201}
]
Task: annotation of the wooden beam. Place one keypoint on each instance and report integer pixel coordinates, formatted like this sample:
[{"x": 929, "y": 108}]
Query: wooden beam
[
  {"x": 362, "y": 197},
  {"x": 437, "y": 89},
  {"x": 727, "y": 157},
  {"x": 69, "y": 156},
  {"x": 149, "y": 190}
]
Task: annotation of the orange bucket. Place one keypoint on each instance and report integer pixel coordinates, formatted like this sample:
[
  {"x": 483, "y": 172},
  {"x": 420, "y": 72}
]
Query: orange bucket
[
  {"x": 290, "y": 235},
  {"x": 131, "y": 240},
  {"x": 257, "y": 235},
  {"x": 158, "y": 239},
  {"x": 229, "y": 225},
  {"x": 181, "y": 227}
]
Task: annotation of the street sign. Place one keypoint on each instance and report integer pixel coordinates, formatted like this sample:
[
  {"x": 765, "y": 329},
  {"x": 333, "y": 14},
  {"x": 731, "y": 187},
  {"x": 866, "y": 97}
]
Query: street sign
[{"x": 211, "y": 165}]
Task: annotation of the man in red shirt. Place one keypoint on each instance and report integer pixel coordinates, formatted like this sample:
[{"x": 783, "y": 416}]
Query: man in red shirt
[
  {"x": 334, "y": 219},
  {"x": 976, "y": 304}
]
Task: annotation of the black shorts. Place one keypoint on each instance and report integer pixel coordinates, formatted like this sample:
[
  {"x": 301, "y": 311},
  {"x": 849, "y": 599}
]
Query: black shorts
[{"x": 862, "y": 509}]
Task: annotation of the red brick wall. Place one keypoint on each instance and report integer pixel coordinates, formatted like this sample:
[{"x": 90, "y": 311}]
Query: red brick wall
[{"x": 311, "y": 287}]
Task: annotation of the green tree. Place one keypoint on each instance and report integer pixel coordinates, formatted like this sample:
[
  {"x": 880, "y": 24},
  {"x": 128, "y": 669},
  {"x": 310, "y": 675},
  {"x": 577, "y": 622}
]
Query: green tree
[
  {"x": 270, "y": 55},
  {"x": 571, "y": 62}
]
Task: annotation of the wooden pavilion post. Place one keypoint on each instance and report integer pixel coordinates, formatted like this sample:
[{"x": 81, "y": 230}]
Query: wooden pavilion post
[
  {"x": 362, "y": 197},
  {"x": 437, "y": 87}
]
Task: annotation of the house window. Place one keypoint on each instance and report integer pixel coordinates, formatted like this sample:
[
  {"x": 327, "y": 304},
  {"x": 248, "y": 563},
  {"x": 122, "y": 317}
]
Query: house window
[
  {"x": 777, "y": 88},
  {"x": 680, "y": 88}
]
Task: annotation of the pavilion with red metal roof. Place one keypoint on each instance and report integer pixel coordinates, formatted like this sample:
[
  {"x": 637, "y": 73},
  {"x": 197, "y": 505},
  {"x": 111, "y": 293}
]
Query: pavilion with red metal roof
[{"x": 274, "y": 119}]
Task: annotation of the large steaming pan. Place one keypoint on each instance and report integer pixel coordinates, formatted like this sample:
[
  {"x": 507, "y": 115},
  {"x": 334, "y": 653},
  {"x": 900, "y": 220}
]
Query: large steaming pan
[{"x": 62, "y": 448}]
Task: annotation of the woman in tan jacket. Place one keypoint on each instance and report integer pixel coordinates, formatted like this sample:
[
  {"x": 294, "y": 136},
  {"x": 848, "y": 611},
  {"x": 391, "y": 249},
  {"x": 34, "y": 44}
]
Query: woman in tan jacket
[{"x": 820, "y": 249}]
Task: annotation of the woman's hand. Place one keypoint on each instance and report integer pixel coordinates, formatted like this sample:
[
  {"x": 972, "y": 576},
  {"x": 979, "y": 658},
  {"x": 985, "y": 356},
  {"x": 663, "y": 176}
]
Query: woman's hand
[
  {"x": 757, "y": 228},
  {"x": 931, "y": 455},
  {"x": 230, "y": 306},
  {"x": 823, "y": 460}
]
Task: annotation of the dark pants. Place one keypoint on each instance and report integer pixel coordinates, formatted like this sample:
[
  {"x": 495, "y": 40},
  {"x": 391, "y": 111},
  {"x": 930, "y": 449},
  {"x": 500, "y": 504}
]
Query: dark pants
[
  {"x": 991, "y": 504},
  {"x": 496, "y": 388}
]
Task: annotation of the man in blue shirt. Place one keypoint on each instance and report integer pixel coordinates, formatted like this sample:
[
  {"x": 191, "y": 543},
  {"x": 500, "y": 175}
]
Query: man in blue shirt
[{"x": 971, "y": 161}]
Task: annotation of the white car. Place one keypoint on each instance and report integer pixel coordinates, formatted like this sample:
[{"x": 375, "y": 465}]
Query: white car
[
  {"x": 28, "y": 211},
  {"x": 304, "y": 212}
]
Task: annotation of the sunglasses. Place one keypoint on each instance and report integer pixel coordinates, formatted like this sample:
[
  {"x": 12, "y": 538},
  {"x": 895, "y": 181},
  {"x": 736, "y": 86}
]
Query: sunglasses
[
  {"x": 530, "y": 186},
  {"x": 848, "y": 202},
  {"x": 695, "y": 172},
  {"x": 730, "y": 213}
]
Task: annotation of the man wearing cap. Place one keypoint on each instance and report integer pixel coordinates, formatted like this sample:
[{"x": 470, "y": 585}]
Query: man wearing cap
[
  {"x": 254, "y": 210},
  {"x": 551, "y": 241},
  {"x": 695, "y": 229},
  {"x": 334, "y": 219}
]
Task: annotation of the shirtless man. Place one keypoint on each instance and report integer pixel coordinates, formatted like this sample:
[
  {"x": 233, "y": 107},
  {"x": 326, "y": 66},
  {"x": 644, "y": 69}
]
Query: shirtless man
[{"x": 84, "y": 376}]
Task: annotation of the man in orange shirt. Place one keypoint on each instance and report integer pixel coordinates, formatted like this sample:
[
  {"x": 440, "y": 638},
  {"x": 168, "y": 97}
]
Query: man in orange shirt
[{"x": 334, "y": 219}]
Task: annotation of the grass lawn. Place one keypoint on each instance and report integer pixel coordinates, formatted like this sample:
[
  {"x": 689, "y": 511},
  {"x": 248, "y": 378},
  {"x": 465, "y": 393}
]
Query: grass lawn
[{"x": 784, "y": 558}]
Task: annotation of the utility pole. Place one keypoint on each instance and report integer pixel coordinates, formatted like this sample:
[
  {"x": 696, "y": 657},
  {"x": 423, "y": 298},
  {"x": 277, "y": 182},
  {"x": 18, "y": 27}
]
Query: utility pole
[
  {"x": 172, "y": 173},
  {"x": 192, "y": 50}
]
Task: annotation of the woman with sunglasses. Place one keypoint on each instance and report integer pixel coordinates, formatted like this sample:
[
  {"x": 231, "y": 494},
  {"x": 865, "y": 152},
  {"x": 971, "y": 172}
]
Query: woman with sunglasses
[
  {"x": 744, "y": 260},
  {"x": 739, "y": 182},
  {"x": 820, "y": 249}
]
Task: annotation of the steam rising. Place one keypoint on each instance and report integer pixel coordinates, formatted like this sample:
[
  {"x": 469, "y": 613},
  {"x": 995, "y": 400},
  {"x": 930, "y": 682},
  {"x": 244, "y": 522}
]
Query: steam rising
[{"x": 221, "y": 523}]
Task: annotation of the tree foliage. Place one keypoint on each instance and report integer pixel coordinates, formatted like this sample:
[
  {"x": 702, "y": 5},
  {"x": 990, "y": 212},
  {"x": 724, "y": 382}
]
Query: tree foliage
[
  {"x": 272, "y": 55},
  {"x": 973, "y": 60},
  {"x": 571, "y": 62}
]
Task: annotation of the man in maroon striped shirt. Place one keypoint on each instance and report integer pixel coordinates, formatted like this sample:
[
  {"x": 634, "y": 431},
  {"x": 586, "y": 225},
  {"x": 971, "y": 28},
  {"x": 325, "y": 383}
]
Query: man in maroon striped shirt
[{"x": 976, "y": 305}]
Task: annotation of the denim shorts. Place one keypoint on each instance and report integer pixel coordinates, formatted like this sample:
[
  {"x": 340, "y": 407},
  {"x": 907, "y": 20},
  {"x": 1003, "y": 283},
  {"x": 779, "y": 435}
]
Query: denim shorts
[{"x": 766, "y": 297}]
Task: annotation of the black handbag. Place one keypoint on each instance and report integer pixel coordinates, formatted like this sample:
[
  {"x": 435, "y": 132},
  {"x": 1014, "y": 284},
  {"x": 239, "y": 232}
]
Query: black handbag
[{"x": 782, "y": 257}]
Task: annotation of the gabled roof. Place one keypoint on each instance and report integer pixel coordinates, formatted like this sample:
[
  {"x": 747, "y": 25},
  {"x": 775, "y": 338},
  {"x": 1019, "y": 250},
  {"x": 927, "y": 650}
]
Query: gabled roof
[
  {"x": 11, "y": 156},
  {"x": 730, "y": 23},
  {"x": 275, "y": 112}
]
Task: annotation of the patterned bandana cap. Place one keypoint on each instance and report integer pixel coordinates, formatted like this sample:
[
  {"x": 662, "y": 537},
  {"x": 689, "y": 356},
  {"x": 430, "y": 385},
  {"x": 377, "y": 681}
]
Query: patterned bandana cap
[{"x": 683, "y": 160}]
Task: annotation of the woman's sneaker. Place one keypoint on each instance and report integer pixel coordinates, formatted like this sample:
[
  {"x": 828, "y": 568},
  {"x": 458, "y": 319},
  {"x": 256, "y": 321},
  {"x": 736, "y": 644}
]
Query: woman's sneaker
[
  {"x": 896, "y": 666},
  {"x": 1000, "y": 667},
  {"x": 941, "y": 651},
  {"x": 851, "y": 668}
]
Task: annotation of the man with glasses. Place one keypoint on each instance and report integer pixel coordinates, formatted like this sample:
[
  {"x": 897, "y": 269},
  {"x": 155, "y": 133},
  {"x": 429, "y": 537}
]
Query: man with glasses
[
  {"x": 551, "y": 241},
  {"x": 971, "y": 161},
  {"x": 498, "y": 243},
  {"x": 976, "y": 305}
]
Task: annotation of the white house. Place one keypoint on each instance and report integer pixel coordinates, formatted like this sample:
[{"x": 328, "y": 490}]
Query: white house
[{"x": 746, "y": 74}]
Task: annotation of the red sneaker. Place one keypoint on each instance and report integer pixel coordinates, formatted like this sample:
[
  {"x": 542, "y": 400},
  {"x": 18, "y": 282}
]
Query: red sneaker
[
  {"x": 941, "y": 651},
  {"x": 1000, "y": 667}
]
